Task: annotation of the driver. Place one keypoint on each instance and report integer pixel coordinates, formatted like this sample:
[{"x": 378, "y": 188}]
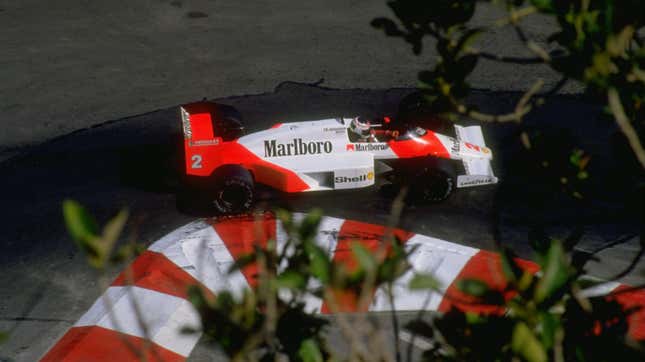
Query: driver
[{"x": 362, "y": 130}]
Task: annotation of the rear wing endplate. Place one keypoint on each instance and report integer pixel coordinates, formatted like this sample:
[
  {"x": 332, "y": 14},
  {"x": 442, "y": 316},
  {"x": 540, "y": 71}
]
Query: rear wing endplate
[{"x": 478, "y": 170}]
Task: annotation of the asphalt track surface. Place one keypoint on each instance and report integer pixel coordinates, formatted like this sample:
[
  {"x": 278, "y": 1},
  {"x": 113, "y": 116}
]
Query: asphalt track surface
[
  {"x": 67, "y": 65},
  {"x": 45, "y": 285}
]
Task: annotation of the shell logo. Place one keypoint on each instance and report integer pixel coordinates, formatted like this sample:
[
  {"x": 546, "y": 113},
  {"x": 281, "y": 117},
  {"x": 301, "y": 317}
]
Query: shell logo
[{"x": 370, "y": 175}]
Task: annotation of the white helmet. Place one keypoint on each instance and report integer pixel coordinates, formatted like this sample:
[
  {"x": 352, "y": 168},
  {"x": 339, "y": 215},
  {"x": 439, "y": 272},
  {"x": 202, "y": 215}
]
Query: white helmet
[{"x": 360, "y": 126}]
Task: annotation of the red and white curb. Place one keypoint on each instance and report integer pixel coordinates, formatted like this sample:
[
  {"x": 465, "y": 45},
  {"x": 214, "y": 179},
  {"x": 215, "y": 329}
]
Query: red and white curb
[{"x": 153, "y": 293}]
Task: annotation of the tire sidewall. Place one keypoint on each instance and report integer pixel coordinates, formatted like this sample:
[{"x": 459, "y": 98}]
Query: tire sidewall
[
  {"x": 433, "y": 182},
  {"x": 232, "y": 179}
]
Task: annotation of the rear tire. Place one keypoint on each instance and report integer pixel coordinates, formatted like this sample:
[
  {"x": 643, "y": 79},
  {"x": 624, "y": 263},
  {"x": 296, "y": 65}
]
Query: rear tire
[
  {"x": 434, "y": 182},
  {"x": 234, "y": 190}
]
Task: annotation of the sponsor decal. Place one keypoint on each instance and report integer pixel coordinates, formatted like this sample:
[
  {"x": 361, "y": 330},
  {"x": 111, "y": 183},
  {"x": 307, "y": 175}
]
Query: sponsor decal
[
  {"x": 361, "y": 178},
  {"x": 455, "y": 146},
  {"x": 335, "y": 129},
  {"x": 297, "y": 147},
  {"x": 367, "y": 147},
  {"x": 472, "y": 146},
  {"x": 185, "y": 118},
  {"x": 477, "y": 148},
  {"x": 205, "y": 142}
]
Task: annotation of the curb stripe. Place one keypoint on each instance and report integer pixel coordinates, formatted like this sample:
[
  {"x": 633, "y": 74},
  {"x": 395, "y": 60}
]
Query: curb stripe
[
  {"x": 202, "y": 252},
  {"x": 326, "y": 239},
  {"x": 101, "y": 344},
  {"x": 487, "y": 267},
  {"x": 241, "y": 235},
  {"x": 156, "y": 272},
  {"x": 633, "y": 299},
  {"x": 371, "y": 237},
  {"x": 442, "y": 259},
  {"x": 208, "y": 259},
  {"x": 162, "y": 314}
]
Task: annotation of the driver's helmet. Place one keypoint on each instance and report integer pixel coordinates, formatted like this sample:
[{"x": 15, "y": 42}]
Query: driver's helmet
[{"x": 360, "y": 126}]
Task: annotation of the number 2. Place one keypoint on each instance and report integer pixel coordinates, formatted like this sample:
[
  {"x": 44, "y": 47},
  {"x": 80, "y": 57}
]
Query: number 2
[{"x": 197, "y": 161}]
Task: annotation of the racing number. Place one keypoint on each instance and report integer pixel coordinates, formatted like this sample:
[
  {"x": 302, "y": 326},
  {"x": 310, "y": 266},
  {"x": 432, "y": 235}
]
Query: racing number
[{"x": 197, "y": 161}]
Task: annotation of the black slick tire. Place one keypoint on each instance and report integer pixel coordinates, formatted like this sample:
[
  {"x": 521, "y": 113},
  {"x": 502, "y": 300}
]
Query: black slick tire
[
  {"x": 233, "y": 190},
  {"x": 434, "y": 182}
]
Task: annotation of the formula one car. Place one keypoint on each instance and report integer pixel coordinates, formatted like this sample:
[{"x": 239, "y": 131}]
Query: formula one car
[{"x": 329, "y": 154}]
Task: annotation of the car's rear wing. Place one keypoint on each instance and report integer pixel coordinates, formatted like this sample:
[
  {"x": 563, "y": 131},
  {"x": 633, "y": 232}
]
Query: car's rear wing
[{"x": 478, "y": 170}]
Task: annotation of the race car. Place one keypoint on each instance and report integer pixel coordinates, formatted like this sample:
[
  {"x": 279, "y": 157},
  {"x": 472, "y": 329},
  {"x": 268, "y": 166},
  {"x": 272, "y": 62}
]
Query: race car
[{"x": 328, "y": 154}]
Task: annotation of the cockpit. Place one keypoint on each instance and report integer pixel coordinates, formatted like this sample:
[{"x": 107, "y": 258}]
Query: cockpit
[{"x": 362, "y": 129}]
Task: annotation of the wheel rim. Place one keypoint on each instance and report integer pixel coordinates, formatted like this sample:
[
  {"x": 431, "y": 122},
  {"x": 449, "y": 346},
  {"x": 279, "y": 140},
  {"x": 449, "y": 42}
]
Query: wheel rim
[{"x": 231, "y": 198}]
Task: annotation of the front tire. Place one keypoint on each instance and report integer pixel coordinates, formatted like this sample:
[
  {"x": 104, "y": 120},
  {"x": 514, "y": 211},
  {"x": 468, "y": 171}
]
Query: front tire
[
  {"x": 234, "y": 190},
  {"x": 433, "y": 182}
]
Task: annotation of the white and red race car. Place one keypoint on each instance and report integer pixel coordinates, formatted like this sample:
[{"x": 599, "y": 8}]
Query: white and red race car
[{"x": 323, "y": 155}]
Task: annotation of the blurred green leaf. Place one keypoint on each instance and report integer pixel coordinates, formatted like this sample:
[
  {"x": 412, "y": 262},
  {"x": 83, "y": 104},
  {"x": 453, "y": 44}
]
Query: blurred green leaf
[
  {"x": 575, "y": 157},
  {"x": 366, "y": 260},
  {"x": 525, "y": 344},
  {"x": 424, "y": 281},
  {"x": 309, "y": 225},
  {"x": 4, "y": 336},
  {"x": 126, "y": 252},
  {"x": 543, "y": 5},
  {"x": 242, "y": 262},
  {"x": 291, "y": 280},
  {"x": 196, "y": 297},
  {"x": 320, "y": 263},
  {"x": 474, "y": 287},
  {"x": 617, "y": 44},
  {"x": 556, "y": 272},
  {"x": 286, "y": 218},
  {"x": 394, "y": 265},
  {"x": 511, "y": 270},
  {"x": 475, "y": 318},
  {"x": 111, "y": 233},
  {"x": 550, "y": 325},
  {"x": 309, "y": 351},
  {"x": 84, "y": 231},
  {"x": 114, "y": 227},
  {"x": 80, "y": 225},
  {"x": 468, "y": 38},
  {"x": 525, "y": 281}
]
